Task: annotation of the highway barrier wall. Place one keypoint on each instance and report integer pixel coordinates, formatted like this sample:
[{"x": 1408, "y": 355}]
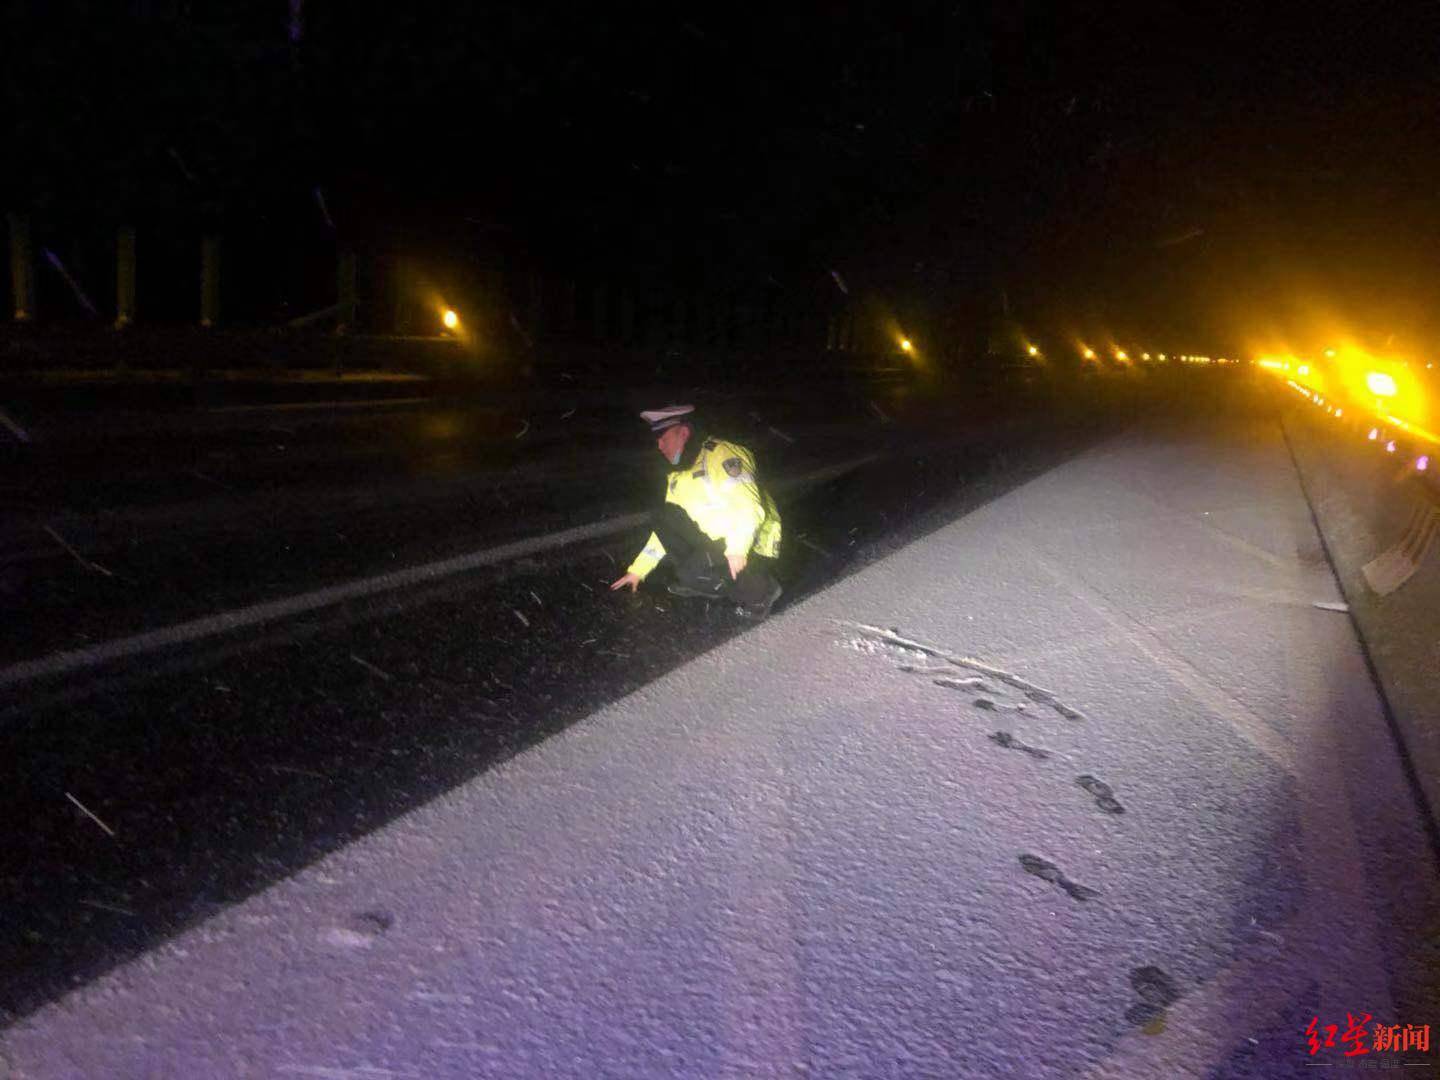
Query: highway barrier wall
[{"x": 1378, "y": 510}]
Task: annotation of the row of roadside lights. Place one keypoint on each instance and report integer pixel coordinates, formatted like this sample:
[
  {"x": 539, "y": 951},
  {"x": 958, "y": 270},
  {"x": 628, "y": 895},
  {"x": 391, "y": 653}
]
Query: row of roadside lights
[
  {"x": 1124, "y": 357},
  {"x": 1379, "y": 435},
  {"x": 1087, "y": 353}
]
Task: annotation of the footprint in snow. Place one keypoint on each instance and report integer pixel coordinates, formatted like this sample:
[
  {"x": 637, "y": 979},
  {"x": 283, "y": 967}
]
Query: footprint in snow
[
  {"x": 1048, "y": 871},
  {"x": 1103, "y": 793},
  {"x": 1157, "y": 992},
  {"x": 1005, "y": 739}
]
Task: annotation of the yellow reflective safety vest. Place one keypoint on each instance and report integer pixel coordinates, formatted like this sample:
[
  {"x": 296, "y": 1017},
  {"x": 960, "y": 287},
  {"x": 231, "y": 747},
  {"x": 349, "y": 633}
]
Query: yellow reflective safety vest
[{"x": 720, "y": 493}]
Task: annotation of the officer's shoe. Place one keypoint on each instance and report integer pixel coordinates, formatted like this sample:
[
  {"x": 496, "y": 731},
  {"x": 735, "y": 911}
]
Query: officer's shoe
[
  {"x": 758, "y": 610},
  {"x": 705, "y": 588}
]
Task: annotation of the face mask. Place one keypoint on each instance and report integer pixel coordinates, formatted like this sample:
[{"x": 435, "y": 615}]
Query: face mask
[{"x": 675, "y": 458}]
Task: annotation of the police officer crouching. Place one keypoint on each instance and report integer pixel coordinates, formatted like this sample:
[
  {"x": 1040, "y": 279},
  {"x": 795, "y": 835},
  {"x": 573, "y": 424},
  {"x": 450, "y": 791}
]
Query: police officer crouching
[{"x": 718, "y": 528}]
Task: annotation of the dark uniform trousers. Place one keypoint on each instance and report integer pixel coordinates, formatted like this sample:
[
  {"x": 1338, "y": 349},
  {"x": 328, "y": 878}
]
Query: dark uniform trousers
[{"x": 698, "y": 560}]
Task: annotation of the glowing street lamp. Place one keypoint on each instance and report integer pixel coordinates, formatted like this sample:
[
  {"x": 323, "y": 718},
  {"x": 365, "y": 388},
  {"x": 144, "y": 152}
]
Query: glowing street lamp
[
  {"x": 905, "y": 345},
  {"x": 1380, "y": 384},
  {"x": 1033, "y": 351},
  {"x": 450, "y": 319}
]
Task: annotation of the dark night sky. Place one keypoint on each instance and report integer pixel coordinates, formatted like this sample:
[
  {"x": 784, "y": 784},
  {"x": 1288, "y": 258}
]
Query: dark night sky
[{"x": 1147, "y": 166}]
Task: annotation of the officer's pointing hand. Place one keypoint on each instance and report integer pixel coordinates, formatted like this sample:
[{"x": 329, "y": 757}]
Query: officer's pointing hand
[
  {"x": 629, "y": 581},
  {"x": 737, "y": 564}
]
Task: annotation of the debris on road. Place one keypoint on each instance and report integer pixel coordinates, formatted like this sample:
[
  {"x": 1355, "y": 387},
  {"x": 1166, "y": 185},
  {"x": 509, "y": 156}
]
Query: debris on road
[
  {"x": 813, "y": 546},
  {"x": 296, "y": 771},
  {"x": 14, "y": 428},
  {"x": 371, "y": 667},
  {"x": 1268, "y": 935},
  {"x": 342, "y": 938},
  {"x": 88, "y": 813},
  {"x": 86, "y": 563},
  {"x": 117, "y": 909},
  {"x": 210, "y": 479}
]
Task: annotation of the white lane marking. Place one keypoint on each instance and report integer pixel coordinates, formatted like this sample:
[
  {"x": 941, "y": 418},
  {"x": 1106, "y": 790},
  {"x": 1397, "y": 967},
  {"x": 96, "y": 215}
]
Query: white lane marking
[
  {"x": 210, "y": 625},
  {"x": 15, "y": 429},
  {"x": 77, "y": 659},
  {"x": 295, "y": 406}
]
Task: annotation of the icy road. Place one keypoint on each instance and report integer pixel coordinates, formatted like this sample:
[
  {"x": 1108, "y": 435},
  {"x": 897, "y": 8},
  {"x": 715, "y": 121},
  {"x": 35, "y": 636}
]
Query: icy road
[{"x": 1082, "y": 784}]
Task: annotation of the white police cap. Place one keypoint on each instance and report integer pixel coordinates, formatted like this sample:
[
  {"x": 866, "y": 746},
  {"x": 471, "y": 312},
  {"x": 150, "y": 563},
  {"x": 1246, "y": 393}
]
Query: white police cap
[{"x": 668, "y": 417}]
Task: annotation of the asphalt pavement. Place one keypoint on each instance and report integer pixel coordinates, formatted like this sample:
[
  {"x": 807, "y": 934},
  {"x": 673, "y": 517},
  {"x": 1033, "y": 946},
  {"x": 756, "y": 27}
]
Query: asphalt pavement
[{"x": 1075, "y": 771}]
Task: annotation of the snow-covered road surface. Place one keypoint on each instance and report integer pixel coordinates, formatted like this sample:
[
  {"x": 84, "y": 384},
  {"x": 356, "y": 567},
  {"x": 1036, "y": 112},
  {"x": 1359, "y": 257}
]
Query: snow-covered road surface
[{"x": 1082, "y": 784}]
